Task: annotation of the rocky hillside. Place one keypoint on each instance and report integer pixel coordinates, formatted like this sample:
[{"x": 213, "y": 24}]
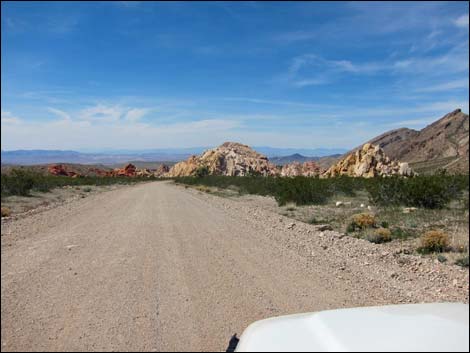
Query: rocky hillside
[
  {"x": 231, "y": 158},
  {"x": 368, "y": 162},
  {"x": 443, "y": 144}
]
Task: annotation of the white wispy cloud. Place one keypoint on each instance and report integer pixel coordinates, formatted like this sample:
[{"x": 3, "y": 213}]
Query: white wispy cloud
[
  {"x": 60, "y": 113},
  {"x": 462, "y": 21},
  {"x": 445, "y": 86},
  {"x": 310, "y": 82},
  {"x": 274, "y": 102},
  {"x": 136, "y": 113},
  {"x": 9, "y": 118},
  {"x": 102, "y": 113}
]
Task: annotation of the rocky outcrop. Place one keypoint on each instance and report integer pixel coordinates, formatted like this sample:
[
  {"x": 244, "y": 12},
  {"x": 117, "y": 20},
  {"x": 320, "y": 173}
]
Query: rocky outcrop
[
  {"x": 369, "y": 161},
  {"x": 161, "y": 170},
  {"x": 129, "y": 171},
  {"x": 185, "y": 168},
  {"x": 309, "y": 169},
  {"x": 143, "y": 172},
  {"x": 231, "y": 159},
  {"x": 59, "y": 169}
]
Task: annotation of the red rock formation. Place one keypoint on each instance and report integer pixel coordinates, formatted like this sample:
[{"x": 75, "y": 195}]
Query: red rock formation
[
  {"x": 128, "y": 171},
  {"x": 59, "y": 169}
]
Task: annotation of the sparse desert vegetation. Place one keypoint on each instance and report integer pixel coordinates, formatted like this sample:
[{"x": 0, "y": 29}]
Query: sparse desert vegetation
[
  {"x": 434, "y": 241},
  {"x": 430, "y": 191},
  {"x": 380, "y": 210},
  {"x": 6, "y": 212},
  {"x": 24, "y": 189},
  {"x": 21, "y": 182}
]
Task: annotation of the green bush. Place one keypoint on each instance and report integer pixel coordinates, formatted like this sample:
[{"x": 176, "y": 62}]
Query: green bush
[
  {"x": 202, "y": 172},
  {"x": 434, "y": 191},
  {"x": 18, "y": 182},
  {"x": 21, "y": 182},
  {"x": 463, "y": 261},
  {"x": 399, "y": 233},
  {"x": 384, "y": 224},
  {"x": 421, "y": 191}
]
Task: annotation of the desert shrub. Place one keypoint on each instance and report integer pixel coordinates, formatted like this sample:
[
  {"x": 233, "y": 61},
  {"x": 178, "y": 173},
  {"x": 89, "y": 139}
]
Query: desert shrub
[
  {"x": 441, "y": 258},
  {"x": 463, "y": 261},
  {"x": 21, "y": 182},
  {"x": 201, "y": 172},
  {"x": 400, "y": 233},
  {"x": 434, "y": 240},
  {"x": 430, "y": 191},
  {"x": 6, "y": 212},
  {"x": 384, "y": 224},
  {"x": 362, "y": 221},
  {"x": 380, "y": 235},
  {"x": 421, "y": 191},
  {"x": 302, "y": 191},
  {"x": 18, "y": 182}
]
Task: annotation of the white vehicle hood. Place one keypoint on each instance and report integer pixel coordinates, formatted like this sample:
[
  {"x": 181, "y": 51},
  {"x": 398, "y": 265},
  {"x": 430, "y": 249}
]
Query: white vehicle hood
[{"x": 412, "y": 327}]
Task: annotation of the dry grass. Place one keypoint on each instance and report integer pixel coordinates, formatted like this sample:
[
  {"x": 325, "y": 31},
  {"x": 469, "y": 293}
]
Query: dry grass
[
  {"x": 379, "y": 236},
  {"x": 384, "y": 233},
  {"x": 203, "y": 188},
  {"x": 434, "y": 240},
  {"x": 363, "y": 220},
  {"x": 6, "y": 212}
]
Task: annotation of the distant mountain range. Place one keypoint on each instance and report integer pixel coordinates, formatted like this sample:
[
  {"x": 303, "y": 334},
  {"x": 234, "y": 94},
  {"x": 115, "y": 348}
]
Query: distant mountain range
[
  {"x": 31, "y": 157},
  {"x": 443, "y": 144},
  {"x": 297, "y": 157}
]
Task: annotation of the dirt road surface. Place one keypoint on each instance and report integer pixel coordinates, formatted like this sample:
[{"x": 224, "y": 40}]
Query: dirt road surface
[{"x": 158, "y": 267}]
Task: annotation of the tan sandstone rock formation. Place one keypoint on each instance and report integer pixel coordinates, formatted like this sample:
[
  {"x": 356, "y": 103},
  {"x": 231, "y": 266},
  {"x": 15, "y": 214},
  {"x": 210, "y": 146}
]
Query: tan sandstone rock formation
[
  {"x": 231, "y": 158},
  {"x": 368, "y": 162},
  {"x": 161, "y": 170},
  {"x": 144, "y": 172}
]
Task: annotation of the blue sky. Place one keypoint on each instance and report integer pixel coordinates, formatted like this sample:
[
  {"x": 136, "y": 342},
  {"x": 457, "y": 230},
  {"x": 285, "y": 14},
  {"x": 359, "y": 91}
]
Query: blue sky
[{"x": 137, "y": 75}]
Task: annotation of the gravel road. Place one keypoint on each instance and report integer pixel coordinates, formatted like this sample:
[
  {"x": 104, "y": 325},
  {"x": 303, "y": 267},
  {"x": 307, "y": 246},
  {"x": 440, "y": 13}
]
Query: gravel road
[{"x": 157, "y": 267}]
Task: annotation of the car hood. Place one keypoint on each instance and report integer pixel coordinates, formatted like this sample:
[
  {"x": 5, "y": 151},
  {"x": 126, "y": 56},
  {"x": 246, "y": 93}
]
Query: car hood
[{"x": 412, "y": 327}]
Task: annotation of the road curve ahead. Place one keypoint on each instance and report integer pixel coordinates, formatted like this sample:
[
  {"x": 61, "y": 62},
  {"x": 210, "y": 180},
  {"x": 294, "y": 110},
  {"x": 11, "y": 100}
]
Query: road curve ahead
[{"x": 151, "y": 267}]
